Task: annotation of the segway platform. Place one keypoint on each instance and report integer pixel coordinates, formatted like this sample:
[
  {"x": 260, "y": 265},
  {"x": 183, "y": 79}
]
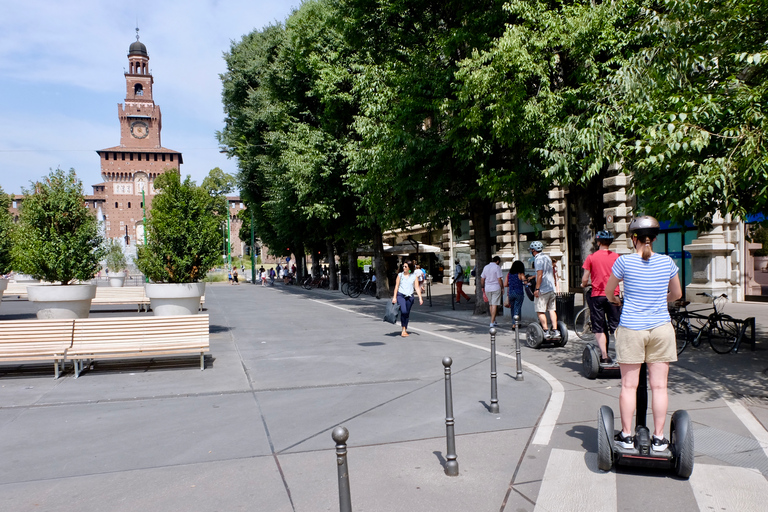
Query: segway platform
[
  {"x": 534, "y": 335},
  {"x": 590, "y": 361}
]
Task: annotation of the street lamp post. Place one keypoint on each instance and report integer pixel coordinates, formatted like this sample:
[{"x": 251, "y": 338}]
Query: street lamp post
[
  {"x": 253, "y": 249},
  {"x": 144, "y": 208}
]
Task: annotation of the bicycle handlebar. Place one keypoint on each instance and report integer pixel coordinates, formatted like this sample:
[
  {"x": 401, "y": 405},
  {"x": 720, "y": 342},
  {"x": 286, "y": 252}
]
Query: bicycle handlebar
[{"x": 705, "y": 294}]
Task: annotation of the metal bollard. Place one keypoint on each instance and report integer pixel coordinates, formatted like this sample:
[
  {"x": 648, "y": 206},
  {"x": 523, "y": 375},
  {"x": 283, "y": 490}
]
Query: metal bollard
[
  {"x": 494, "y": 408},
  {"x": 451, "y": 464},
  {"x": 519, "y": 376},
  {"x": 340, "y": 435}
]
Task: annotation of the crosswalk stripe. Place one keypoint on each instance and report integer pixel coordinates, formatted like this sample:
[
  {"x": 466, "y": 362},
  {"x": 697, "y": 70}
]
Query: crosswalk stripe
[
  {"x": 572, "y": 481},
  {"x": 725, "y": 488}
]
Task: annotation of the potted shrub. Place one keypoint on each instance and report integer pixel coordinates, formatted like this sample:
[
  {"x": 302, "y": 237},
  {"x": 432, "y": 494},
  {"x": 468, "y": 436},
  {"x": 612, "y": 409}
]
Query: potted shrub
[
  {"x": 759, "y": 235},
  {"x": 57, "y": 240},
  {"x": 6, "y": 230},
  {"x": 116, "y": 263},
  {"x": 183, "y": 243}
]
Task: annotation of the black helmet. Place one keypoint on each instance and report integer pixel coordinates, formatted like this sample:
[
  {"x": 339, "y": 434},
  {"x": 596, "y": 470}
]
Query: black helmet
[
  {"x": 644, "y": 226},
  {"x": 604, "y": 235}
]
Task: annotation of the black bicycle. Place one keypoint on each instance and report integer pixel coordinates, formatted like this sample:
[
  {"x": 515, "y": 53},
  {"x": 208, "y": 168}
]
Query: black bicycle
[{"x": 723, "y": 331}]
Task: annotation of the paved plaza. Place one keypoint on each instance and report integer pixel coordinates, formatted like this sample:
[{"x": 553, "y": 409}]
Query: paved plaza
[{"x": 253, "y": 431}]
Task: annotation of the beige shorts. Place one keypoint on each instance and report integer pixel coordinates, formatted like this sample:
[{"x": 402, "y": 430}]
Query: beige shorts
[
  {"x": 494, "y": 298},
  {"x": 655, "y": 345},
  {"x": 544, "y": 302}
]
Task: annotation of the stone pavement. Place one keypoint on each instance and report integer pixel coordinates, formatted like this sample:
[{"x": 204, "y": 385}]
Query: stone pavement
[{"x": 253, "y": 431}]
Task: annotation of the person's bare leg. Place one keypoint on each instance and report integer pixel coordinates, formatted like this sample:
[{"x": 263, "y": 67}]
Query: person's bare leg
[
  {"x": 630, "y": 376},
  {"x": 493, "y": 313},
  {"x": 657, "y": 376},
  {"x": 553, "y": 317},
  {"x": 542, "y": 320},
  {"x": 602, "y": 343}
]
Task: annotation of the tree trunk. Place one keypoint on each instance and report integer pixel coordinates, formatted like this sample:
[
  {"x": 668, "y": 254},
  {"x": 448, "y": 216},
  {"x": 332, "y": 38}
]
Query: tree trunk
[
  {"x": 352, "y": 261},
  {"x": 379, "y": 266},
  {"x": 480, "y": 211},
  {"x": 334, "y": 285},
  {"x": 316, "y": 269}
]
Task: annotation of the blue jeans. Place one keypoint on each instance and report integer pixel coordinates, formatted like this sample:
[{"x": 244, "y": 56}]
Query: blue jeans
[
  {"x": 405, "y": 304},
  {"x": 516, "y": 304}
]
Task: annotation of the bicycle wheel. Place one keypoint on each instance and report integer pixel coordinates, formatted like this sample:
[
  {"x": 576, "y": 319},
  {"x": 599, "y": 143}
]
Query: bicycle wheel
[
  {"x": 345, "y": 287},
  {"x": 307, "y": 283},
  {"x": 583, "y": 325},
  {"x": 724, "y": 335},
  {"x": 683, "y": 333},
  {"x": 372, "y": 289},
  {"x": 355, "y": 288}
]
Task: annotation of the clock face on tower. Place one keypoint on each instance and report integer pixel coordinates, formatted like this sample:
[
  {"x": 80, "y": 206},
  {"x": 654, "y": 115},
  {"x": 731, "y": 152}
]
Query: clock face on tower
[{"x": 139, "y": 129}]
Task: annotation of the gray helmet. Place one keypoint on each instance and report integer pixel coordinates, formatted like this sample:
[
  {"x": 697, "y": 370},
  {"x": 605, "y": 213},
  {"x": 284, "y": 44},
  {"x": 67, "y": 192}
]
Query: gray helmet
[
  {"x": 644, "y": 226},
  {"x": 604, "y": 235},
  {"x": 537, "y": 246}
]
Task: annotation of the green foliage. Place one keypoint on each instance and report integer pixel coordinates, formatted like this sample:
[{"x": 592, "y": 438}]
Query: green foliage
[
  {"x": 759, "y": 235},
  {"x": 6, "y": 234},
  {"x": 57, "y": 237},
  {"x": 183, "y": 236},
  {"x": 115, "y": 259}
]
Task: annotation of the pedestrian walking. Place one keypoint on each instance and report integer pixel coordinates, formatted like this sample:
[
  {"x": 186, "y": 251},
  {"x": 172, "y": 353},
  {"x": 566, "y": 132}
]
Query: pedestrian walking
[
  {"x": 645, "y": 333},
  {"x": 458, "y": 278},
  {"x": 492, "y": 282},
  {"x": 515, "y": 292},
  {"x": 604, "y": 315},
  {"x": 234, "y": 277},
  {"x": 405, "y": 286}
]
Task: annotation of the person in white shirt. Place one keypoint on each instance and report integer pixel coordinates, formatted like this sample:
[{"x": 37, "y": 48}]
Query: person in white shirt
[
  {"x": 492, "y": 282},
  {"x": 405, "y": 286}
]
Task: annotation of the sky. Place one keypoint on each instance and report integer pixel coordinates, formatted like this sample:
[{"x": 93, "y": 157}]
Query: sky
[{"x": 62, "y": 70}]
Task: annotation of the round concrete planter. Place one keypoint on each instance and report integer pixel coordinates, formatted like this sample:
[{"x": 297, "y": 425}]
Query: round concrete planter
[
  {"x": 57, "y": 301},
  {"x": 174, "y": 299},
  {"x": 760, "y": 262},
  {"x": 3, "y": 286},
  {"x": 116, "y": 279}
]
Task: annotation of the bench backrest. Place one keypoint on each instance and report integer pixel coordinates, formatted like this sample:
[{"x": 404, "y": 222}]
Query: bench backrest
[
  {"x": 120, "y": 292},
  {"x": 129, "y": 334},
  {"x": 35, "y": 337}
]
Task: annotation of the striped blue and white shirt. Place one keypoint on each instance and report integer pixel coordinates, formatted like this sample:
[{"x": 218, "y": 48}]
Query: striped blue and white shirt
[{"x": 646, "y": 284}]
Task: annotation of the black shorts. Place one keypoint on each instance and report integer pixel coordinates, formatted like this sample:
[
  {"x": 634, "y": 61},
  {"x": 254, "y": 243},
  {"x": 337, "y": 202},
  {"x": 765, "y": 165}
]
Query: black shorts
[{"x": 604, "y": 314}]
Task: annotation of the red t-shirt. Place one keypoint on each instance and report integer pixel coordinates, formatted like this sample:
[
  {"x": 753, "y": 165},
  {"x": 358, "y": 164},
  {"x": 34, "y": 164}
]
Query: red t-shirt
[{"x": 599, "y": 264}]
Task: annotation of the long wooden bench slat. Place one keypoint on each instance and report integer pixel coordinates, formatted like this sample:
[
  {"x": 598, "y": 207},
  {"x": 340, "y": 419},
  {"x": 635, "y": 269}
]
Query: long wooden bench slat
[{"x": 36, "y": 340}]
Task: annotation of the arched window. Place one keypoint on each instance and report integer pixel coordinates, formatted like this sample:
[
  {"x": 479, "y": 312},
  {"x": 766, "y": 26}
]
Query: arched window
[
  {"x": 138, "y": 90},
  {"x": 115, "y": 204},
  {"x": 129, "y": 204}
]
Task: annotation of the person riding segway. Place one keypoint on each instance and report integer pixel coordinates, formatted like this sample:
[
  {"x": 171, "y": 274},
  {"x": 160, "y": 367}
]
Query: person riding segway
[
  {"x": 604, "y": 315},
  {"x": 544, "y": 302},
  {"x": 645, "y": 340}
]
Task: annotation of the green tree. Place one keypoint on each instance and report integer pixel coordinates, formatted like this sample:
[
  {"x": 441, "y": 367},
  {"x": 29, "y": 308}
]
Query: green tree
[
  {"x": 57, "y": 237},
  {"x": 6, "y": 233},
  {"x": 183, "y": 238}
]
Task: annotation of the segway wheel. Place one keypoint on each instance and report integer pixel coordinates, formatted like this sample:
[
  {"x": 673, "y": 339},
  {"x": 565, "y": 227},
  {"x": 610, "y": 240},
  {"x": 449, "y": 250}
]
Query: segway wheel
[
  {"x": 681, "y": 434},
  {"x": 590, "y": 360},
  {"x": 563, "y": 334},
  {"x": 534, "y": 335},
  {"x": 605, "y": 438}
]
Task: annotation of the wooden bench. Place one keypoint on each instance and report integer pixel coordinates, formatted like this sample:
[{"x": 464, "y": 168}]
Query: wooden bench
[
  {"x": 126, "y": 337},
  {"x": 120, "y": 296},
  {"x": 36, "y": 340}
]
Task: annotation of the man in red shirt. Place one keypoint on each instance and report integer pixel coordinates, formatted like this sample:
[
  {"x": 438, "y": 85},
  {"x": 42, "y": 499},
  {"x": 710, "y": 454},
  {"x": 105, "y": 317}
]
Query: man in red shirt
[{"x": 605, "y": 316}]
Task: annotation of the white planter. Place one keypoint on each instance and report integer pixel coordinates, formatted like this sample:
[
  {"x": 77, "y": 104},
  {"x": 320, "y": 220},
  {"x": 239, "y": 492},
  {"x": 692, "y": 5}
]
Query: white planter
[
  {"x": 3, "y": 286},
  {"x": 58, "y": 301},
  {"x": 760, "y": 262},
  {"x": 117, "y": 279},
  {"x": 172, "y": 299}
]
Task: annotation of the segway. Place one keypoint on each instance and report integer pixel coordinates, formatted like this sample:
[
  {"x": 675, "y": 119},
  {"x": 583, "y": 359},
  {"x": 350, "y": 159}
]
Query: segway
[
  {"x": 534, "y": 335},
  {"x": 678, "y": 456},
  {"x": 590, "y": 360}
]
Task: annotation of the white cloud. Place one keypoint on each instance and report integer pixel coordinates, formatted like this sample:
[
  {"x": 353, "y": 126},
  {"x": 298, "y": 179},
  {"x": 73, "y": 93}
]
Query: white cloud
[{"x": 81, "y": 46}]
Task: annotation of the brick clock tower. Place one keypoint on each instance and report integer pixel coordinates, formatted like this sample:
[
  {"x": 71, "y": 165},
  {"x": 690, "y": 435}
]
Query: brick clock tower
[{"x": 131, "y": 167}]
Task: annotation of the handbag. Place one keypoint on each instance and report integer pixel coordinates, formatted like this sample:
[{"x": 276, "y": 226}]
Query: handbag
[
  {"x": 529, "y": 288},
  {"x": 392, "y": 314}
]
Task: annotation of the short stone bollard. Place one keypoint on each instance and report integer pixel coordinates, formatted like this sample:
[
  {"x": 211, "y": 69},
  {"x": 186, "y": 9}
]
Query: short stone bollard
[
  {"x": 340, "y": 435},
  {"x": 451, "y": 464},
  {"x": 519, "y": 375},
  {"x": 494, "y": 408}
]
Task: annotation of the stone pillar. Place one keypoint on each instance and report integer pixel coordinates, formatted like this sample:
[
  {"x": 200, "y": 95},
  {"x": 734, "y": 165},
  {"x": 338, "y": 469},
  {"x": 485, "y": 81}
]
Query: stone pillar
[
  {"x": 555, "y": 244},
  {"x": 713, "y": 256},
  {"x": 752, "y": 286},
  {"x": 506, "y": 234},
  {"x": 618, "y": 208}
]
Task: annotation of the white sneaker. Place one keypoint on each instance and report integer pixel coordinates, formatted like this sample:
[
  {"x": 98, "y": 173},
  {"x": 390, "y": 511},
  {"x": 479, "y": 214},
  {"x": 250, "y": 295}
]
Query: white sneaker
[
  {"x": 659, "y": 444},
  {"x": 625, "y": 441}
]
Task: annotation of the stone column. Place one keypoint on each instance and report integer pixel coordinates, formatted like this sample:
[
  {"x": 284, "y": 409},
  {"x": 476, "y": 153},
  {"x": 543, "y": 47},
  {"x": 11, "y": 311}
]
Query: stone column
[
  {"x": 506, "y": 230},
  {"x": 713, "y": 256},
  {"x": 618, "y": 209},
  {"x": 555, "y": 244}
]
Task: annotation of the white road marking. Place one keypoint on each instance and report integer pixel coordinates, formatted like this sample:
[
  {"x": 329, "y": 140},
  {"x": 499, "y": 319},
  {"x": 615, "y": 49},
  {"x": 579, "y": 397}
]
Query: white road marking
[
  {"x": 726, "y": 488},
  {"x": 572, "y": 482},
  {"x": 555, "y": 404}
]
